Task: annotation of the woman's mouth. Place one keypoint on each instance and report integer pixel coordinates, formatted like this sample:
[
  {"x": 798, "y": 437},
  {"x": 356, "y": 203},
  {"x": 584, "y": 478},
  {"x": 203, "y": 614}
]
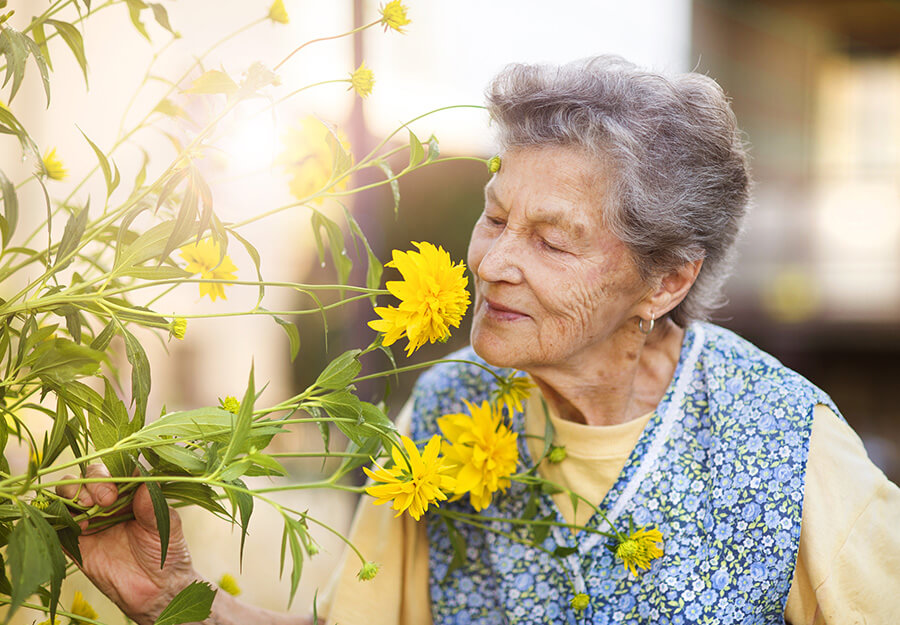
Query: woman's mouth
[{"x": 499, "y": 312}]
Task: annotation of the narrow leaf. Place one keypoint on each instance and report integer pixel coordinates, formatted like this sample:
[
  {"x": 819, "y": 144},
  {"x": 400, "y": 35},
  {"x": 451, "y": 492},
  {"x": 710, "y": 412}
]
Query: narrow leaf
[
  {"x": 213, "y": 81},
  {"x": 110, "y": 173},
  {"x": 293, "y": 335},
  {"x": 72, "y": 234},
  {"x": 416, "y": 151},
  {"x": 140, "y": 374},
  {"x": 10, "y": 208},
  {"x": 73, "y": 39},
  {"x": 395, "y": 186},
  {"x": 134, "y": 12}
]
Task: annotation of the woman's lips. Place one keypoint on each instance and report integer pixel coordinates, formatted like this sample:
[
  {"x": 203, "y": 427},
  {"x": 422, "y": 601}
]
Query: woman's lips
[{"x": 499, "y": 312}]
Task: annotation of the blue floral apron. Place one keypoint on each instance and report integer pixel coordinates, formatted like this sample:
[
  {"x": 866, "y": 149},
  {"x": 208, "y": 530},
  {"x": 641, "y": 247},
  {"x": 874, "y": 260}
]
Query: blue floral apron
[{"x": 719, "y": 469}]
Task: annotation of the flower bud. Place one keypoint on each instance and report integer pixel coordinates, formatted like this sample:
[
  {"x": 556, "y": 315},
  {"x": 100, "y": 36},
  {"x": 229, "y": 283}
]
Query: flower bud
[
  {"x": 557, "y": 454},
  {"x": 368, "y": 571}
]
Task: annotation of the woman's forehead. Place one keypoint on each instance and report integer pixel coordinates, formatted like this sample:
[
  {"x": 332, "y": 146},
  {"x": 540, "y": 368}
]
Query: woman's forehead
[{"x": 554, "y": 185}]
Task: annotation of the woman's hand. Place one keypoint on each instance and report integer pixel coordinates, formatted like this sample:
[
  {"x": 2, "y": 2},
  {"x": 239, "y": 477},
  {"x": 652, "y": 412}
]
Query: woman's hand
[{"x": 123, "y": 560}]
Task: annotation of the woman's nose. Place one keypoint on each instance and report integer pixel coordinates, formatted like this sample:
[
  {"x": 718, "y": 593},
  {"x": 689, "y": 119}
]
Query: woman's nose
[{"x": 500, "y": 262}]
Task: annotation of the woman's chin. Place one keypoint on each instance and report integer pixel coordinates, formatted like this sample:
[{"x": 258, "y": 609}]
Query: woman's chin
[{"x": 495, "y": 350}]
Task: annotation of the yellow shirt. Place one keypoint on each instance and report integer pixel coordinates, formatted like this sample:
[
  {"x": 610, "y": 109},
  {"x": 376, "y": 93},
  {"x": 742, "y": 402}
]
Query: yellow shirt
[{"x": 848, "y": 563}]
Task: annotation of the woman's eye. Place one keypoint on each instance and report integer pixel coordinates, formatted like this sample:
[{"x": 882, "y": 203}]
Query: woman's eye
[
  {"x": 550, "y": 246},
  {"x": 494, "y": 221}
]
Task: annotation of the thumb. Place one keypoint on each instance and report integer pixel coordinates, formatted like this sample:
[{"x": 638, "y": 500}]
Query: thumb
[{"x": 145, "y": 515}]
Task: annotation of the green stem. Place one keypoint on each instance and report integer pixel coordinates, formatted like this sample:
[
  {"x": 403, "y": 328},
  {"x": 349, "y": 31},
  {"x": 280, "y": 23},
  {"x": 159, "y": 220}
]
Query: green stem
[{"x": 303, "y": 45}]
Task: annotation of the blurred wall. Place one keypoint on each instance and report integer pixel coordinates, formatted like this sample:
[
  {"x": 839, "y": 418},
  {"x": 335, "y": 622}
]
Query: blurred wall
[{"x": 816, "y": 89}]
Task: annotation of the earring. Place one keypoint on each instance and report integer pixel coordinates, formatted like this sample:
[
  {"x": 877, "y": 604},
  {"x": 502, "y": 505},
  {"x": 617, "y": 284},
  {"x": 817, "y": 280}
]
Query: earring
[{"x": 641, "y": 324}]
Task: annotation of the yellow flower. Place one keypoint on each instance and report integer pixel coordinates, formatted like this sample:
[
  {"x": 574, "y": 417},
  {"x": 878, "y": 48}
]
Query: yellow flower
[
  {"x": 494, "y": 164},
  {"x": 81, "y": 607},
  {"x": 231, "y": 404},
  {"x": 580, "y": 602},
  {"x": 361, "y": 80},
  {"x": 53, "y": 167},
  {"x": 309, "y": 160},
  {"x": 412, "y": 484},
  {"x": 432, "y": 296},
  {"x": 368, "y": 571},
  {"x": 277, "y": 12},
  {"x": 483, "y": 450},
  {"x": 179, "y": 326},
  {"x": 510, "y": 393},
  {"x": 203, "y": 258},
  {"x": 639, "y": 549},
  {"x": 229, "y": 585},
  {"x": 393, "y": 15}
]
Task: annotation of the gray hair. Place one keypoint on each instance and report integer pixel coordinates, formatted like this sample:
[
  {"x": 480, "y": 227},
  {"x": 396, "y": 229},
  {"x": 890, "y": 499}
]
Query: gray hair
[{"x": 680, "y": 180}]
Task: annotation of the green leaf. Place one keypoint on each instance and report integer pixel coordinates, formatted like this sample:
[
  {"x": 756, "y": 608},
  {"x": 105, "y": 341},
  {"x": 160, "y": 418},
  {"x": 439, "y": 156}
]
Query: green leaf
[
  {"x": 40, "y": 38},
  {"x": 339, "y": 257},
  {"x": 374, "y": 268},
  {"x": 292, "y": 529},
  {"x": 35, "y": 556},
  {"x": 149, "y": 245},
  {"x": 164, "y": 272},
  {"x": 161, "y": 16},
  {"x": 13, "y": 47},
  {"x": 58, "y": 515},
  {"x": 345, "y": 406},
  {"x": 161, "y": 512},
  {"x": 101, "y": 341},
  {"x": 72, "y": 234},
  {"x": 293, "y": 335},
  {"x": 178, "y": 457},
  {"x": 110, "y": 173},
  {"x": 254, "y": 256},
  {"x": 243, "y": 419},
  {"x": 395, "y": 186},
  {"x": 564, "y": 552},
  {"x": 458, "y": 542},
  {"x": 38, "y": 55},
  {"x": 10, "y": 209},
  {"x": 341, "y": 161},
  {"x": 140, "y": 374},
  {"x": 208, "y": 424},
  {"x": 134, "y": 12},
  {"x": 107, "y": 427},
  {"x": 193, "y": 604},
  {"x": 434, "y": 149},
  {"x": 60, "y": 360},
  {"x": 539, "y": 532},
  {"x": 73, "y": 39},
  {"x": 213, "y": 81},
  {"x": 73, "y": 322},
  {"x": 10, "y": 125},
  {"x": 169, "y": 108},
  {"x": 416, "y": 151},
  {"x": 196, "y": 494},
  {"x": 244, "y": 503},
  {"x": 340, "y": 371}
]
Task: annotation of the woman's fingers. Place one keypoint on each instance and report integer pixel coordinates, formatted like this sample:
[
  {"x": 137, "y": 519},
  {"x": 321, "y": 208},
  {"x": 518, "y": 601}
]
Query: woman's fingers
[
  {"x": 93, "y": 493},
  {"x": 102, "y": 493}
]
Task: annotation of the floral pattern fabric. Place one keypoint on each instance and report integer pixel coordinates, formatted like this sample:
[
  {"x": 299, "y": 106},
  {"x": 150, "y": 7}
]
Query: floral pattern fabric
[{"x": 719, "y": 469}]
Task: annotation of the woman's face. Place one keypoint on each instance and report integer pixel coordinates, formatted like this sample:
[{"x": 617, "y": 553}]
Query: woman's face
[{"x": 553, "y": 287}]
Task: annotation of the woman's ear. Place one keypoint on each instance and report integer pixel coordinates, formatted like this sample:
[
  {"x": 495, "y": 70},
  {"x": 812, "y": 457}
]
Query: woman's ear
[{"x": 673, "y": 288}]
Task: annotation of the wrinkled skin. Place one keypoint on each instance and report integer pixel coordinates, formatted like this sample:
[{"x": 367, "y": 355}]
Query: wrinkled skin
[
  {"x": 123, "y": 560},
  {"x": 558, "y": 296}
]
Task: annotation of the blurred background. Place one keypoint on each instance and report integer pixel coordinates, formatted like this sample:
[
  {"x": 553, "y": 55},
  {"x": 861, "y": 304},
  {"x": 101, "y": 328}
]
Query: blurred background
[{"x": 815, "y": 85}]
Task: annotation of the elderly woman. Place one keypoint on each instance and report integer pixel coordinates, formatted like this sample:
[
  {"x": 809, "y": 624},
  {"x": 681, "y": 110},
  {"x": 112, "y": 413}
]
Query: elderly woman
[{"x": 606, "y": 236}]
